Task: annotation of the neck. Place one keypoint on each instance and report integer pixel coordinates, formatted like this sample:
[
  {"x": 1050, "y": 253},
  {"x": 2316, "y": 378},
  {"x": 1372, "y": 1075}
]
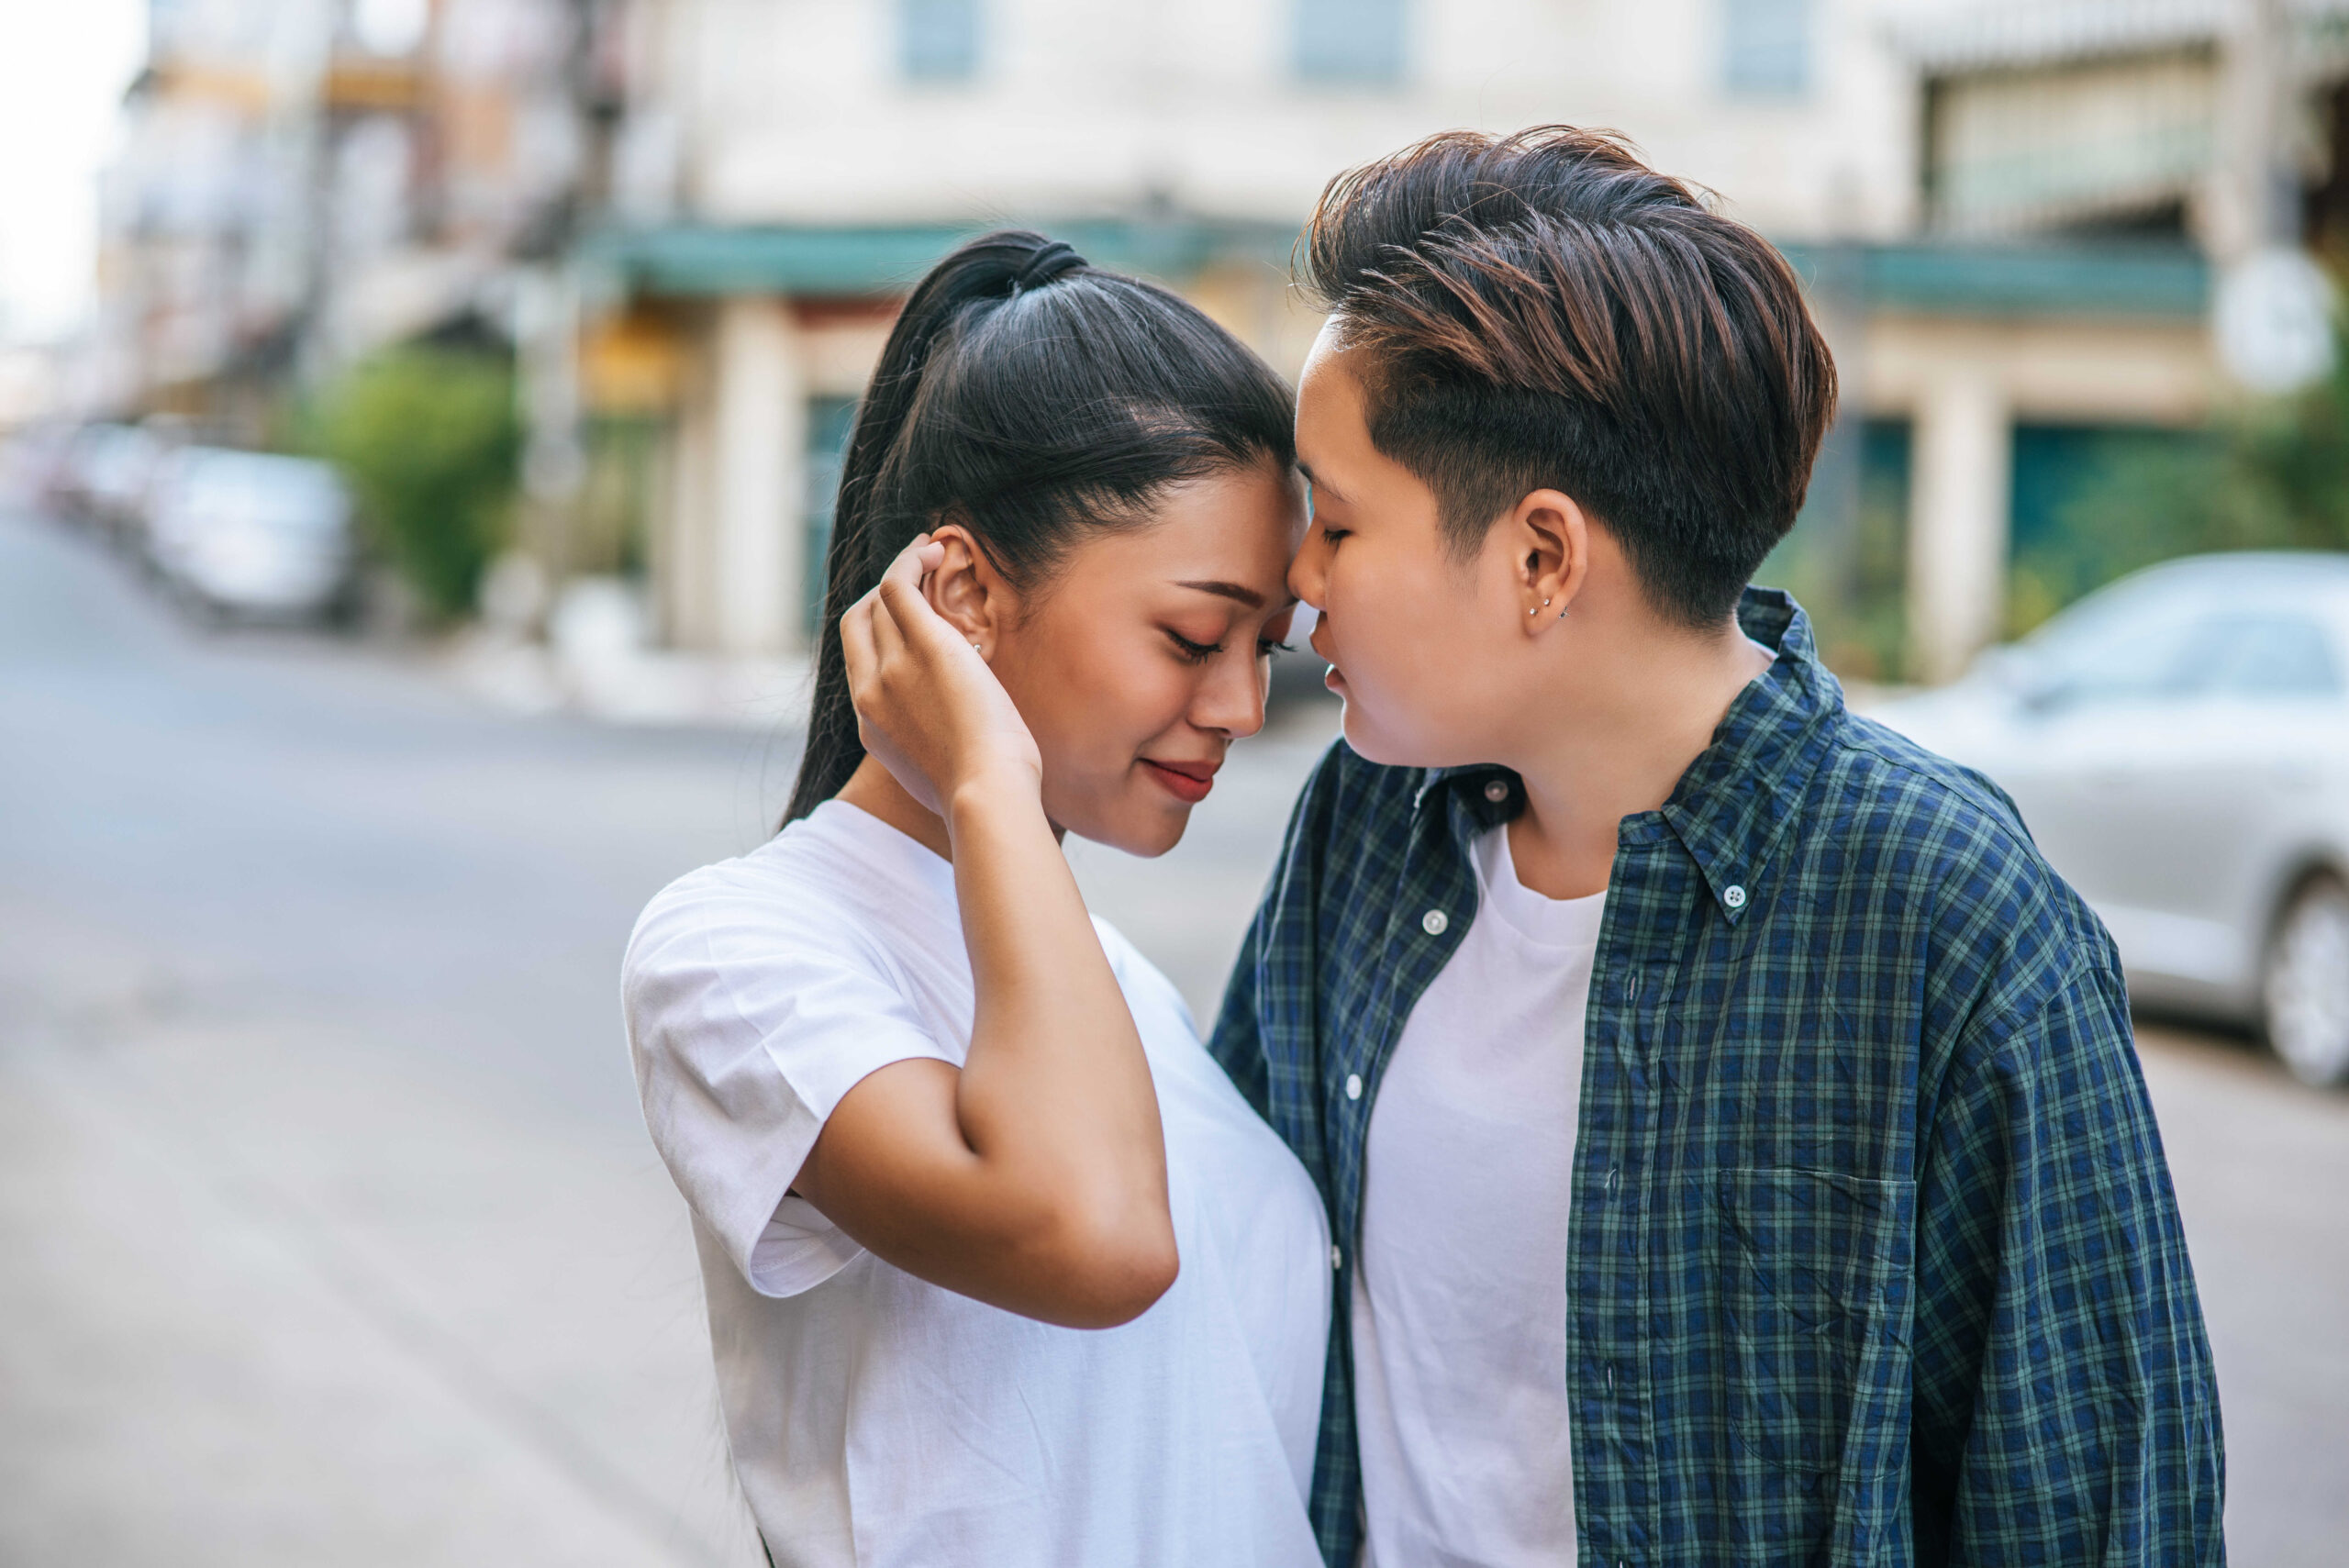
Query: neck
[
  {"x": 874, "y": 790},
  {"x": 1618, "y": 747}
]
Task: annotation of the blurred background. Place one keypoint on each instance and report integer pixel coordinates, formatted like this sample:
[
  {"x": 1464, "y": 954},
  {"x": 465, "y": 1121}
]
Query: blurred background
[{"x": 420, "y": 419}]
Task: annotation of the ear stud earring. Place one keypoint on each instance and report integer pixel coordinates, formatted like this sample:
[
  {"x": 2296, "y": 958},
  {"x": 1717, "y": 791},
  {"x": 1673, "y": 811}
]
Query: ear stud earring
[{"x": 1542, "y": 606}]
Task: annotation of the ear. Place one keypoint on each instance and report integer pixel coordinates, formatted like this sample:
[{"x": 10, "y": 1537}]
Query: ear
[
  {"x": 1550, "y": 543},
  {"x": 965, "y": 589}
]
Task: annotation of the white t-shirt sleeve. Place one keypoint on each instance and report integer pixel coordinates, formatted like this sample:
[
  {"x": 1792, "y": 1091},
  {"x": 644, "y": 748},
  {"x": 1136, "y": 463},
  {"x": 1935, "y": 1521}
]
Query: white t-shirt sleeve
[{"x": 749, "y": 1023}]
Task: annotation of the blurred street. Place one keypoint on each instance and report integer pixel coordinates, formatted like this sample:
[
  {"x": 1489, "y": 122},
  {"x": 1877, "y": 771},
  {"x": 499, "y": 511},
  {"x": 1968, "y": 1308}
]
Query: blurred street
[{"x": 333, "y": 1234}]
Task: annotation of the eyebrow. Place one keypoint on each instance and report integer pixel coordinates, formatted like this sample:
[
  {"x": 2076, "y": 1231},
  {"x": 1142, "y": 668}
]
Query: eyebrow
[
  {"x": 1239, "y": 591},
  {"x": 1323, "y": 485}
]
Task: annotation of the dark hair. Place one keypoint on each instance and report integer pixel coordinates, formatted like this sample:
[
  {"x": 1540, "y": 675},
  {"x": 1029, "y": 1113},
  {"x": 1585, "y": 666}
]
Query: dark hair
[
  {"x": 1028, "y": 396},
  {"x": 1546, "y": 310}
]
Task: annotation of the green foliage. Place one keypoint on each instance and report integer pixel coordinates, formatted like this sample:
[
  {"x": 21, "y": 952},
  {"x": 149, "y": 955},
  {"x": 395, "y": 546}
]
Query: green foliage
[
  {"x": 428, "y": 440},
  {"x": 2273, "y": 475},
  {"x": 1846, "y": 560}
]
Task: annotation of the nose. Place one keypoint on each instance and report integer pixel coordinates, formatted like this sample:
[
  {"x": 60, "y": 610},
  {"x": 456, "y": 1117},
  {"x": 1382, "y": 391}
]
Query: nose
[
  {"x": 1308, "y": 570},
  {"x": 1230, "y": 697}
]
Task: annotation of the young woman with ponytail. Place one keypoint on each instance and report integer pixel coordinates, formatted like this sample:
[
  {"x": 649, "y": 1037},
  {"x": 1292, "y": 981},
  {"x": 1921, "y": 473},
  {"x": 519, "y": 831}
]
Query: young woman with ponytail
[{"x": 1000, "y": 1268}]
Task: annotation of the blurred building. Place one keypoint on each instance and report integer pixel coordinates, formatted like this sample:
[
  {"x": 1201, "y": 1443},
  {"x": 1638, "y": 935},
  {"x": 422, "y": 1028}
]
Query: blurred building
[
  {"x": 2003, "y": 210},
  {"x": 302, "y": 180},
  {"x": 788, "y": 167},
  {"x": 692, "y": 220},
  {"x": 2085, "y": 168}
]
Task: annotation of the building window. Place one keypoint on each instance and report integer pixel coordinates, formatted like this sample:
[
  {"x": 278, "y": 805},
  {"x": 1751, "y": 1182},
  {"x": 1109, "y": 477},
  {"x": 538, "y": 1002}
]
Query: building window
[
  {"x": 1357, "y": 42},
  {"x": 938, "y": 41},
  {"x": 830, "y": 422},
  {"x": 1767, "y": 46}
]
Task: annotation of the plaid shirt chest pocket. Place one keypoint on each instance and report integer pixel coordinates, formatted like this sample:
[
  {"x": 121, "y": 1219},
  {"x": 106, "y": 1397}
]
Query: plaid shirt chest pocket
[{"x": 1811, "y": 1273}]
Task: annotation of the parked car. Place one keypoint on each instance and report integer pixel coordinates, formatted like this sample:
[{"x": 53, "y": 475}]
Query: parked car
[
  {"x": 108, "y": 473},
  {"x": 250, "y": 536},
  {"x": 33, "y": 466},
  {"x": 2179, "y": 744}
]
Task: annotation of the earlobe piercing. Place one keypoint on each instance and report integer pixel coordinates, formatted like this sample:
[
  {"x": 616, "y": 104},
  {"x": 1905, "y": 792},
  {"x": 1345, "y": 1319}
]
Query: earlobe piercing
[{"x": 1542, "y": 606}]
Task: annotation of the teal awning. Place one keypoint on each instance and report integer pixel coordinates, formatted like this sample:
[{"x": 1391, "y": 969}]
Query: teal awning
[
  {"x": 2104, "y": 279},
  {"x": 701, "y": 260},
  {"x": 2093, "y": 279}
]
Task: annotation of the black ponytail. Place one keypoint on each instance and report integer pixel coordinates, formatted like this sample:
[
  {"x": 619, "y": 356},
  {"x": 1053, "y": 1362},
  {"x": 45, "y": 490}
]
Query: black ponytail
[{"x": 1029, "y": 396}]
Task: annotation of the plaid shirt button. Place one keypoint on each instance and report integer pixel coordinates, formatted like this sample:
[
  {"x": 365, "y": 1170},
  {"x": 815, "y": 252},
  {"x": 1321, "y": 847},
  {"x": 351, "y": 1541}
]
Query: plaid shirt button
[
  {"x": 1733, "y": 895},
  {"x": 1434, "y": 921},
  {"x": 1337, "y": 1256},
  {"x": 1353, "y": 1085},
  {"x": 1496, "y": 792}
]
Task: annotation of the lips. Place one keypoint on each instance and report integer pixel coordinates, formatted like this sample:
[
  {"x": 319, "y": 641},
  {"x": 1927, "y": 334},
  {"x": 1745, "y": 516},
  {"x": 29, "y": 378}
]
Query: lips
[
  {"x": 1186, "y": 782},
  {"x": 1330, "y": 677}
]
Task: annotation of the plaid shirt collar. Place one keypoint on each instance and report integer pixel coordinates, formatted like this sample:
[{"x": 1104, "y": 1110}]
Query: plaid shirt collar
[{"x": 1738, "y": 795}]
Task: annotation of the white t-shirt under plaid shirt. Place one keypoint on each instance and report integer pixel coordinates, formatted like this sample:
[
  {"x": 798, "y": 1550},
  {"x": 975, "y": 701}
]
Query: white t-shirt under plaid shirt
[{"x": 1460, "y": 1300}]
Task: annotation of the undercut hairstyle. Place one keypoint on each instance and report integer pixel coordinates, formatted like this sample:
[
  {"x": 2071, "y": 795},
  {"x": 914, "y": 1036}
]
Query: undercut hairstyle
[{"x": 1544, "y": 311}]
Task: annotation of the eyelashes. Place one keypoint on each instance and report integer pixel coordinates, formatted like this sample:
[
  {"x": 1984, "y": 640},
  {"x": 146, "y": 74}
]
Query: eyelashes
[{"x": 1200, "y": 653}]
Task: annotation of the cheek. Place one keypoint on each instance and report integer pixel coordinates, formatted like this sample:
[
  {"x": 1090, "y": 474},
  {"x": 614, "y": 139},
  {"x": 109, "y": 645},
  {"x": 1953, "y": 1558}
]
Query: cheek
[
  {"x": 1092, "y": 710},
  {"x": 1393, "y": 630}
]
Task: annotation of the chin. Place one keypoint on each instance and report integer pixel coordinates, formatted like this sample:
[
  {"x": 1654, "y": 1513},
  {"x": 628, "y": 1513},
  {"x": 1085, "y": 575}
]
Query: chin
[
  {"x": 1148, "y": 840},
  {"x": 1366, "y": 739},
  {"x": 1143, "y": 831},
  {"x": 1373, "y": 743}
]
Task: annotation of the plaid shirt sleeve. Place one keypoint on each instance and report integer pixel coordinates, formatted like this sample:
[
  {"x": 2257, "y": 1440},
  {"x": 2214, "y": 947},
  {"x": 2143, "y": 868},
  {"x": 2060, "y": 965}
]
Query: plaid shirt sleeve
[{"x": 2063, "y": 1407}]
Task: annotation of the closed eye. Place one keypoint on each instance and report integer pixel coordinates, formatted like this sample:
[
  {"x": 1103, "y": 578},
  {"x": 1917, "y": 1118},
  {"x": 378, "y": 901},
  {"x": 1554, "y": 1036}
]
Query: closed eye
[
  {"x": 1193, "y": 652},
  {"x": 1266, "y": 647}
]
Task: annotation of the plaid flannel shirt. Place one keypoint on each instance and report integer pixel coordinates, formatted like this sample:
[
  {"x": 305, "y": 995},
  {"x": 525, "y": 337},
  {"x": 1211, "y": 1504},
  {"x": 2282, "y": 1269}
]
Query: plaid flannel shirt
[{"x": 1873, "y": 1254}]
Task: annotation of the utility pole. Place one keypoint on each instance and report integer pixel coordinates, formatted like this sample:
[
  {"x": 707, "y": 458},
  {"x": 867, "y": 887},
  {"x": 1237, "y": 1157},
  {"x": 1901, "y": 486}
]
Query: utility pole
[{"x": 2272, "y": 311}]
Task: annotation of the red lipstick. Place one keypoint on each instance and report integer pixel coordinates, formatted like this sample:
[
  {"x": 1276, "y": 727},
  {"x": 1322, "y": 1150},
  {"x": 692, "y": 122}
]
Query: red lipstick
[{"x": 1186, "y": 782}]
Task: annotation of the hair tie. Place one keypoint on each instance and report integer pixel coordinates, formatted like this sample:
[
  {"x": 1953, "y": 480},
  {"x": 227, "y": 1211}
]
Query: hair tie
[{"x": 1046, "y": 264}]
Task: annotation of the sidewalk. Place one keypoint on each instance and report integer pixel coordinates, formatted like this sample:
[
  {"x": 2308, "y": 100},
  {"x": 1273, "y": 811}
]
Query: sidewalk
[
  {"x": 276, "y": 1296},
  {"x": 623, "y": 684}
]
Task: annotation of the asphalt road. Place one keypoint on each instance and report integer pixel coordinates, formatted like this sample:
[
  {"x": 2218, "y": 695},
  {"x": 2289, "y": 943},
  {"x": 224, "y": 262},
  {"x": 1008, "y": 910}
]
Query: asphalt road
[{"x": 331, "y": 1234}]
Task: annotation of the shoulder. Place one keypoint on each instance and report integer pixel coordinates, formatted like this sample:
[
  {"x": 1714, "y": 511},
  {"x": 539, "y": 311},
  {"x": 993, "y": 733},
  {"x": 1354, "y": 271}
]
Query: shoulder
[
  {"x": 2002, "y": 927},
  {"x": 1932, "y": 815},
  {"x": 783, "y": 907}
]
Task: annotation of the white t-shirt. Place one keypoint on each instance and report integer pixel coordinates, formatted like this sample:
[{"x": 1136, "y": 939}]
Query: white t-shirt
[
  {"x": 1459, "y": 1303},
  {"x": 878, "y": 1420}
]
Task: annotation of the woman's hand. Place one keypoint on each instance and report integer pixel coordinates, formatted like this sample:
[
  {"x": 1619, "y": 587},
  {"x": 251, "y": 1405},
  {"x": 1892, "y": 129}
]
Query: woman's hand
[{"x": 927, "y": 704}]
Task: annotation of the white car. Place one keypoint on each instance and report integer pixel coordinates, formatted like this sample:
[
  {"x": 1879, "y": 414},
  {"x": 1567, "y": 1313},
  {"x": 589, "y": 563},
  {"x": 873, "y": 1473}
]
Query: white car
[
  {"x": 109, "y": 473},
  {"x": 250, "y": 535},
  {"x": 2178, "y": 743}
]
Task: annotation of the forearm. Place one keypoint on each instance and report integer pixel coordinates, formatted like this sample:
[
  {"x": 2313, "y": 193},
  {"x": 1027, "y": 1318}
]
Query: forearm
[{"x": 1055, "y": 1096}]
